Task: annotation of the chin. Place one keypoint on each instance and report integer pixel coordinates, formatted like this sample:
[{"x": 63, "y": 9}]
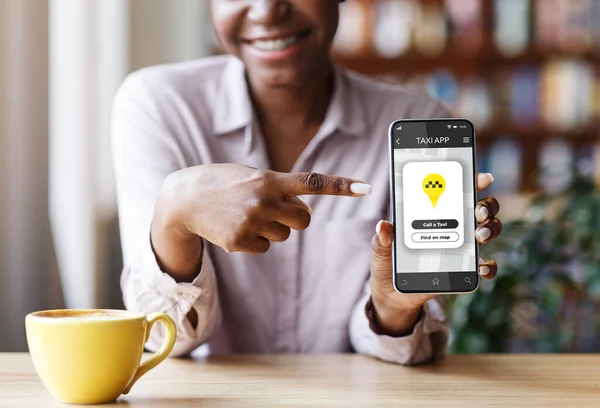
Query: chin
[{"x": 281, "y": 77}]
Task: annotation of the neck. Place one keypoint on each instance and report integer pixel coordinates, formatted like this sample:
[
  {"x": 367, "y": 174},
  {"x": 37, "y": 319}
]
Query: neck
[{"x": 298, "y": 107}]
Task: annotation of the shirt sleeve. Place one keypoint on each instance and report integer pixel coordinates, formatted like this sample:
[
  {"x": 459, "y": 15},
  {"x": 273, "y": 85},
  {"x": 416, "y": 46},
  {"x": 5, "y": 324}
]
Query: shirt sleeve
[
  {"x": 427, "y": 341},
  {"x": 144, "y": 154}
]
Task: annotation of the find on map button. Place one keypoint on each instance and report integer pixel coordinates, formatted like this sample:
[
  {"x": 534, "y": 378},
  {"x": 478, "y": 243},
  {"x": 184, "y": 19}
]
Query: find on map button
[
  {"x": 427, "y": 237},
  {"x": 434, "y": 224}
]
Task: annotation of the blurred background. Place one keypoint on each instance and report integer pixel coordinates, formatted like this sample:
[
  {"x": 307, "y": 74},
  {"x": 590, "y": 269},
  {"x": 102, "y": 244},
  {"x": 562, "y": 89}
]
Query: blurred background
[{"x": 526, "y": 72}]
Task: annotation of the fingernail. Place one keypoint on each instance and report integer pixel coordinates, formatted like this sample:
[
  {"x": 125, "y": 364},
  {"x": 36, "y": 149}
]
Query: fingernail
[
  {"x": 483, "y": 234},
  {"x": 491, "y": 176},
  {"x": 361, "y": 188},
  {"x": 484, "y": 270},
  {"x": 484, "y": 213},
  {"x": 378, "y": 228}
]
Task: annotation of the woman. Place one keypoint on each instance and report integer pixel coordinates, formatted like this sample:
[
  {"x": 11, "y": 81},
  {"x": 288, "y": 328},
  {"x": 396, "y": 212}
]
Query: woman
[{"x": 210, "y": 158}]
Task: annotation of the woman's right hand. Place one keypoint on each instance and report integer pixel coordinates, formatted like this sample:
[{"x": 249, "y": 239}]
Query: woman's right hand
[{"x": 239, "y": 208}]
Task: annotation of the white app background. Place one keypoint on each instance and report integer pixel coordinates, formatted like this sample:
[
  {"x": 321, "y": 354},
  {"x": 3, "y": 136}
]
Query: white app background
[
  {"x": 443, "y": 201},
  {"x": 428, "y": 258}
]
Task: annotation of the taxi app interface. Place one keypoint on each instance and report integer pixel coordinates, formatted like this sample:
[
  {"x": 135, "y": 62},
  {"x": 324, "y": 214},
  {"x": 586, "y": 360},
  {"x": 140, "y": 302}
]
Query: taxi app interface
[{"x": 434, "y": 205}]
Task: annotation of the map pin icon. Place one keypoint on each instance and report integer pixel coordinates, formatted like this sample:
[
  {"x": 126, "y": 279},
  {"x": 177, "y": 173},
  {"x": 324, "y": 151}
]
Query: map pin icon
[{"x": 434, "y": 185}]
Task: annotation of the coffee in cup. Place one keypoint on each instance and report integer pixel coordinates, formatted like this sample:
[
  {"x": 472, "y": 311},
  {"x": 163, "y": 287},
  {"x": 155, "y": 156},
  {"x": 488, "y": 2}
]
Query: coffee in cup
[{"x": 93, "y": 356}]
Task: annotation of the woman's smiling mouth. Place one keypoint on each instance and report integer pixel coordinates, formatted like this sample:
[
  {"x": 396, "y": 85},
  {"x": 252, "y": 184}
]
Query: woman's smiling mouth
[{"x": 276, "y": 43}]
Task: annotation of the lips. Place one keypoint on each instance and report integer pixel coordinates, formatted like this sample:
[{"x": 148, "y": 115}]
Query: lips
[{"x": 276, "y": 43}]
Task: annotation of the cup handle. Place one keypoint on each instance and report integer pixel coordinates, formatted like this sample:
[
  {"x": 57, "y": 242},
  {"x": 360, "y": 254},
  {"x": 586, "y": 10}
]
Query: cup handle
[{"x": 164, "y": 351}]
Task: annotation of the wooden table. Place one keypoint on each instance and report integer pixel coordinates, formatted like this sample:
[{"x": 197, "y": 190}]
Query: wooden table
[{"x": 340, "y": 380}]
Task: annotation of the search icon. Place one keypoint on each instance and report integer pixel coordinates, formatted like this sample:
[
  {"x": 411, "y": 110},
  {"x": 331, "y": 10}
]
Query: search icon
[{"x": 468, "y": 280}]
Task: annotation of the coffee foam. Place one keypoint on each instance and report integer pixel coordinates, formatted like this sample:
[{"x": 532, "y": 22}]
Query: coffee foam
[
  {"x": 85, "y": 315},
  {"x": 93, "y": 317}
]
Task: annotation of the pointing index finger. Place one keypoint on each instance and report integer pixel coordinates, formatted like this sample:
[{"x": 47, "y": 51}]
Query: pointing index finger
[{"x": 320, "y": 184}]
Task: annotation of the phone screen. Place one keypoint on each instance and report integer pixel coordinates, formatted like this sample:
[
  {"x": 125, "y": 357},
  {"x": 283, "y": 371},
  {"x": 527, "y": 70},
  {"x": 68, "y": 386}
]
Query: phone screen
[{"x": 433, "y": 206}]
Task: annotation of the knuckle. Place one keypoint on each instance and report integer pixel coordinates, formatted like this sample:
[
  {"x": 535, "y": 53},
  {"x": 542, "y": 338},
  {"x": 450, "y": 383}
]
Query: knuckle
[
  {"x": 259, "y": 205},
  {"x": 265, "y": 175},
  {"x": 171, "y": 182},
  {"x": 229, "y": 247},
  {"x": 253, "y": 213},
  {"x": 340, "y": 185},
  {"x": 175, "y": 185},
  {"x": 234, "y": 243},
  {"x": 262, "y": 178},
  {"x": 314, "y": 182},
  {"x": 246, "y": 220}
]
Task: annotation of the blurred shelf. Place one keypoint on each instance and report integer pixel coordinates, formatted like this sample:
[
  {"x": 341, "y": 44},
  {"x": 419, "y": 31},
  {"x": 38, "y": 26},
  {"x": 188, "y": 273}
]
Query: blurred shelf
[
  {"x": 370, "y": 63},
  {"x": 478, "y": 69},
  {"x": 539, "y": 133}
]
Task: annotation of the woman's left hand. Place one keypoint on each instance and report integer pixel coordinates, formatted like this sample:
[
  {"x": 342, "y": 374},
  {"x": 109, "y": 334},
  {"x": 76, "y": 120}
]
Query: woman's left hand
[{"x": 397, "y": 313}]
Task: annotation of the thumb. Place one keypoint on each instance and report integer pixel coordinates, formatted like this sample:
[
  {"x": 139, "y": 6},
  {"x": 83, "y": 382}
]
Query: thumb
[{"x": 381, "y": 260}]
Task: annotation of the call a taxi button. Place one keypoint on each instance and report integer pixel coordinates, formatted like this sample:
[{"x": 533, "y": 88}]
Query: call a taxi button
[
  {"x": 425, "y": 237},
  {"x": 434, "y": 224}
]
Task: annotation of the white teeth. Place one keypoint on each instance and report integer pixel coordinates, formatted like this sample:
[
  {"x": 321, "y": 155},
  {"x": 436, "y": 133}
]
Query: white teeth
[{"x": 275, "y": 45}]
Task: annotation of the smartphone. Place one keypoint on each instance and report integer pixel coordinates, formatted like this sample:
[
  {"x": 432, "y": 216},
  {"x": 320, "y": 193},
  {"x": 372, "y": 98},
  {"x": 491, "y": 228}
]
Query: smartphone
[{"x": 433, "y": 194}]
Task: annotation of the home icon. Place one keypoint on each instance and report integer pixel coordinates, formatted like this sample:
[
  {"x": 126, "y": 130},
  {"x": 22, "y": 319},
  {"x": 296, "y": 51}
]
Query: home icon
[{"x": 435, "y": 281}]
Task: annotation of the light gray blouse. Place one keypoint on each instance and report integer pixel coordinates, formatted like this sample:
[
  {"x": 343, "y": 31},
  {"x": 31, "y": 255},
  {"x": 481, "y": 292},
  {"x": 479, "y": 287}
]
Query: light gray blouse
[{"x": 305, "y": 295}]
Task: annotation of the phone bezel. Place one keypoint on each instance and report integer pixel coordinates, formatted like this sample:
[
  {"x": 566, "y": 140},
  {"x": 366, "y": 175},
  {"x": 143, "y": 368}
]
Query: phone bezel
[{"x": 393, "y": 205}]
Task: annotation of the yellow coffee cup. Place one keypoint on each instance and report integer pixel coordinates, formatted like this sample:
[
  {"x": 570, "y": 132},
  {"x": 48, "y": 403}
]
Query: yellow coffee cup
[{"x": 93, "y": 356}]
